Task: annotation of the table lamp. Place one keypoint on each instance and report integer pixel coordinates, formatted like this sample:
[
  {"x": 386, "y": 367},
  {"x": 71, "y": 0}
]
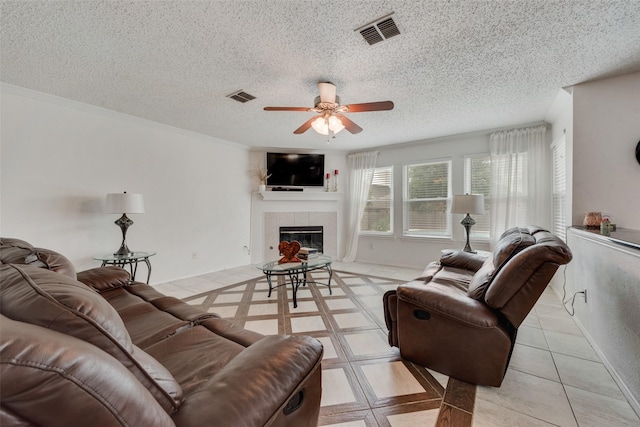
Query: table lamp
[
  {"x": 124, "y": 203},
  {"x": 468, "y": 204}
]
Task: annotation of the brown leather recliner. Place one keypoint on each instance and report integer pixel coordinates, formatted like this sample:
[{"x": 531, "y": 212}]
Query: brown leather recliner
[{"x": 460, "y": 317}]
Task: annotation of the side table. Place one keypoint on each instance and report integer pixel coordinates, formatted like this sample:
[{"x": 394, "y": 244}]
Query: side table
[{"x": 131, "y": 260}]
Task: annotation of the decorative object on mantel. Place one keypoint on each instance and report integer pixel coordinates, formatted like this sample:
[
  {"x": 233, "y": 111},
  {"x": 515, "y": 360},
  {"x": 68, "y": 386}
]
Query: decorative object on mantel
[
  {"x": 592, "y": 220},
  {"x": 605, "y": 227},
  {"x": 289, "y": 250},
  {"x": 262, "y": 175},
  {"x": 468, "y": 204},
  {"x": 327, "y": 179},
  {"x": 335, "y": 180}
]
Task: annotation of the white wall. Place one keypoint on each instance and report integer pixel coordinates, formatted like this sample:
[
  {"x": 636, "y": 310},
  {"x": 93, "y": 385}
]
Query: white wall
[
  {"x": 60, "y": 158},
  {"x": 417, "y": 252},
  {"x": 606, "y": 176}
]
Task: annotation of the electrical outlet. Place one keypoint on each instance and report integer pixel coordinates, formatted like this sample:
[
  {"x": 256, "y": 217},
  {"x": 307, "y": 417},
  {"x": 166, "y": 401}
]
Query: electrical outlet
[{"x": 194, "y": 255}]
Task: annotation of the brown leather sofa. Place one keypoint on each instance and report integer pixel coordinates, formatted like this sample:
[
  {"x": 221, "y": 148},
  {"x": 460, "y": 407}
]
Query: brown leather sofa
[
  {"x": 92, "y": 348},
  {"x": 461, "y": 316}
]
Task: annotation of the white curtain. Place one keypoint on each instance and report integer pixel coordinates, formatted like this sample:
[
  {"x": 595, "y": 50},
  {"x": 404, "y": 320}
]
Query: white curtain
[
  {"x": 361, "y": 169},
  {"x": 521, "y": 192}
]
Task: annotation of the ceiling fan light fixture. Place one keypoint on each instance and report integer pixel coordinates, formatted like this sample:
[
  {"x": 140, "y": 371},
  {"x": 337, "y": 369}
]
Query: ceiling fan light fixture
[
  {"x": 320, "y": 125},
  {"x": 335, "y": 124}
]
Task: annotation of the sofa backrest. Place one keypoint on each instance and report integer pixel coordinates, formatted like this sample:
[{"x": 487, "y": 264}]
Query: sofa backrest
[
  {"x": 522, "y": 264},
  {"x": 52, "y": 379},
  {"x": 51, "y": 300},
  {"x": 16, "y": 251}
]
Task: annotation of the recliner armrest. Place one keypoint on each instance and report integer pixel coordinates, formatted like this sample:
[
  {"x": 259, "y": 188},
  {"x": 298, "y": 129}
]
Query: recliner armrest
[
  {"x": 104, "y": 278},
  {"x": 465, "y": 260},
  {"x": 448, "y": 302},
  {"x": 252, "y": 389}
]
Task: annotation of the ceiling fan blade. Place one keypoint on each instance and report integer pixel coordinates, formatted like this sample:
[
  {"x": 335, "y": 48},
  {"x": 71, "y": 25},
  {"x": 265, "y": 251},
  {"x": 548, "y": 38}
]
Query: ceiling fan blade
[
  {"x": 327, "y": 92},
  {"x": 305, "y": 126},
  {"x": 370, "y": 106},
  {"x": 286, "y": 109},
  {"x": 348, "y": 124}
]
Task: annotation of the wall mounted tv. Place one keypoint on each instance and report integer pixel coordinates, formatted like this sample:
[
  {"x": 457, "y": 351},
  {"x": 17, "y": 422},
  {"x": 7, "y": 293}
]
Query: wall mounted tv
[{"x": 295, "y": 170}]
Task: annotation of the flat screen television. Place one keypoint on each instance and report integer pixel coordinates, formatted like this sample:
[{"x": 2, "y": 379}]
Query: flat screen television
[{"x": 295, "y": 170}]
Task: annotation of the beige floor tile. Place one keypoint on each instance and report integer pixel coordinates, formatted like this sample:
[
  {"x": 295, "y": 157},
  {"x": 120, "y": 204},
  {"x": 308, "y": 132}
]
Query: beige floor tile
[
  {"x": 564, "y": 324},
  {"x": 264, "y": 296},
  {"x": 487, "y": 414},
  {"x": 389, "y": 379},
  {"x": 587, "y": 375},
  {"x": 303, "y": 307},
  {"x": 534, "y": 396},
  {"x": 441, "y": 378},
  {"x": 263, "y": 309},
  {"x": 532, "y": 320},
  {"x": 352, "y": 320},
  {"x": 171, "y": 289},
  {"x": 335, "y": 291},
  {"x": 364, "y": 290},
  {"x": 340, "y": 304},
  {"x": 307, "y": 324},
  {"x": 533, "y": 361},
  {"x": 413, "y": 419},
  {"x": 533, "y": 337},
  {"x": 367, "y": 343},
  {"x": 570, "y": 345},
  {"x": 336, "y": 388},
  {"x": 595, "y": 410},
  {"x": 373, "y": 301},
  {"x": 264, "y": 327},
  {"x": 329, "y": 348},
  {"x": 228, "y": 298}
]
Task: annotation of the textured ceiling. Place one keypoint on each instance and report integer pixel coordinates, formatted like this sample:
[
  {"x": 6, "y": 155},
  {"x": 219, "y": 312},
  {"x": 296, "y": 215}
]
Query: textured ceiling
[{"x": 457, "y": 66}]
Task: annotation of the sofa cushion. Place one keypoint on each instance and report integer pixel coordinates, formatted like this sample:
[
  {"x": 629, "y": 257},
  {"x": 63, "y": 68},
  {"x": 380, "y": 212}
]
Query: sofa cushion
[
  {"x": 480, "y": 281},
  {"x": 53, "y": 379},
  {"x": 104, "y": 278},
  {"x": 16, "y": 251},
  {"x": 510, "y": 243},
  {"x": 48, "y": 299}
]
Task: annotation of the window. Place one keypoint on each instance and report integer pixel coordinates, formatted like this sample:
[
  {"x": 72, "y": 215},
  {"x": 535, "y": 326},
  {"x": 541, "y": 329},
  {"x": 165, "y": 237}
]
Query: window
[
  {"x": 558, "y": 152},
  {"x": 477, "y": 179},
  {"x": 378, "y": 212},
  {"x": 426, "y": 196}
]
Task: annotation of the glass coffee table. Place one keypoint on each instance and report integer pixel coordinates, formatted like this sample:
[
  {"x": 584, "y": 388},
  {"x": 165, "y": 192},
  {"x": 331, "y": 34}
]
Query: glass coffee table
[{"x": 297, "y": 272}]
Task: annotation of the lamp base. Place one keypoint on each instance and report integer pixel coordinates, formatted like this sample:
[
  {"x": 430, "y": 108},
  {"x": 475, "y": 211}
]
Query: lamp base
[
  {"x": 123, "y": 222},
  {"x": 467, "y": 222}
]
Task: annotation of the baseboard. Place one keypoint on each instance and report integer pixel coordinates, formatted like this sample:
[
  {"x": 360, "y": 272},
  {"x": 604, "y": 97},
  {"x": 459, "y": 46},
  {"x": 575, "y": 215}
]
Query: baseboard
[{"x": 633, "y": 401}]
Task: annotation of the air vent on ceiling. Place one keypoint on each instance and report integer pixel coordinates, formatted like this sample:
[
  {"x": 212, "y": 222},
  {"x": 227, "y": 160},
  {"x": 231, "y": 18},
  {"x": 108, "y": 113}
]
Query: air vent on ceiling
[
  {"x": 379, "y": 30},
  {"x": 241, "y": 96}
]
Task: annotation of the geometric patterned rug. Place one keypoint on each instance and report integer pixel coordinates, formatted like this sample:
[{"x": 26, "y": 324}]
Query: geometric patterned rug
[{"x": 365, "y": 381}]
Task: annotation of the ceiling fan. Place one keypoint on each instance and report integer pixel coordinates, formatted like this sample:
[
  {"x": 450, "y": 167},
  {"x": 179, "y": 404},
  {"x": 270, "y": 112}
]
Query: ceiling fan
[{"x": 330, "y": 116}]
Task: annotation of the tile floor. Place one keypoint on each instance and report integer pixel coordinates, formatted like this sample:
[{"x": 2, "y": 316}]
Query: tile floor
[{"x": 555, "y": 378}]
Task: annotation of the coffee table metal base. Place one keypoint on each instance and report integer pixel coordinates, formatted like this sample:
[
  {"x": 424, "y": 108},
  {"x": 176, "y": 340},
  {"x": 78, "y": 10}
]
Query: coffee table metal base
[{"x": 298, "y": 277}]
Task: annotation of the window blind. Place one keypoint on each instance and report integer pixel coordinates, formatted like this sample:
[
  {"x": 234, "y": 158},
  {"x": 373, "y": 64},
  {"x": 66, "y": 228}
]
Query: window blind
[
  {"x": 558, "y": 153},
  {"x": 426, "y": 198}
]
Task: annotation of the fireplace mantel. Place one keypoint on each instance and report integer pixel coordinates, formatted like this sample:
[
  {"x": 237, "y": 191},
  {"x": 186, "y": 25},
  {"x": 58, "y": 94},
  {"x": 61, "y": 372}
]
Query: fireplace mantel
[{"x": 299, "y": 195}]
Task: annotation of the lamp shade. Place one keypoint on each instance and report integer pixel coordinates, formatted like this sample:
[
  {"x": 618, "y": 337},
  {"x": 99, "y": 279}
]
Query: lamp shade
[
  {"x": 468, "y": 204},
  {"x": 122, "y": 203}
]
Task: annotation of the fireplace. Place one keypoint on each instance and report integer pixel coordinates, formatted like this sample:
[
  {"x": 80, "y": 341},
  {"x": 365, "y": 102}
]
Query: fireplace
[{"x": 308, "y": 236}]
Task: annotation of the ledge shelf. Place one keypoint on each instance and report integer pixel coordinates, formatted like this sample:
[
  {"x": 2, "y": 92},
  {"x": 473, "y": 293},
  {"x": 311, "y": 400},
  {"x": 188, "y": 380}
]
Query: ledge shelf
[{"x": 300, "y": 195}]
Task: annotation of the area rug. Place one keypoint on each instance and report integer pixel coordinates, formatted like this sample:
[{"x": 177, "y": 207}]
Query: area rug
[{"x": 365, "y": 381}]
